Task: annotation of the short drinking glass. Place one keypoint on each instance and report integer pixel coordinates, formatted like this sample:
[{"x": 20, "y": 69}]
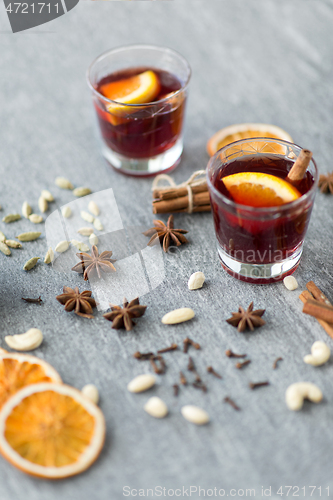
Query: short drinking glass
[
  {"x": 260, "y": 244},
  {"x": 139, "y": 94}
]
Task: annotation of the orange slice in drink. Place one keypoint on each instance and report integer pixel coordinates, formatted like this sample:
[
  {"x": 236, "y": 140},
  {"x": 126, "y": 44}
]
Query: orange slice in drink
[
  {"x": 256, "y": 189},
  {"x": 138, "y": 89},
  {"x": 51, "y": 430},
  {"x": 240, "y": 131},
  {"x": 18, "y": 370}
]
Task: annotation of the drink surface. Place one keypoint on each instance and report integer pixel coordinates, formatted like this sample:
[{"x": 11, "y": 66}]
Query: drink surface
[
  {"x": 142, "y": 132},
  {"x": 273, "y": 165},
  {"x": 168, "y": 82}
]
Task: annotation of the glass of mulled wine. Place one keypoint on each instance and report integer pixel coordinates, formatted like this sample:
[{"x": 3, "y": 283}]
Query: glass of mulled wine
[
  {"x": 260, "y": 216},
  {"x": 139, "y": 93}
]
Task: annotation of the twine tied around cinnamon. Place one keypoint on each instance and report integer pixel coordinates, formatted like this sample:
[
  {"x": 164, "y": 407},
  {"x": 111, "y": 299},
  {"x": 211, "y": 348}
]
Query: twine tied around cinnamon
[{"x": 189, "y": 196}]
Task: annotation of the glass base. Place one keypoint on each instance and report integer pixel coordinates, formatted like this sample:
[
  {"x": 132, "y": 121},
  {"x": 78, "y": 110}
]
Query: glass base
[
  {"x": 260, "y": 274},
  {"x": 145, "y": 167}
]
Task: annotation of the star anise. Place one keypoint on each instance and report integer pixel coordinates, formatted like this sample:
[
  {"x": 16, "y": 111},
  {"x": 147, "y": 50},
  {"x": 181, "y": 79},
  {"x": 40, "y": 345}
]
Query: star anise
[
  {"x": 326, "y": 183},
  {"x": 94, "y": 263},
  {"x": 248, "y": 318},
  {"x": 122, "y": 317},
  {"x": 82, "y": 303},
  {"x": 166, "y": 234}
]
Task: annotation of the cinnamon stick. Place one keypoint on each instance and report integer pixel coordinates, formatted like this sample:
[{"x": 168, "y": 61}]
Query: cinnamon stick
[
  {"x": 161, "y": 206},
  {"x": 301, "y": 164},
  {"x": 319, "y": 310},
  {"x": 317, "y": 293},
  {"x": 305, "y": 296},
  {"x": 177, "y": 192}
]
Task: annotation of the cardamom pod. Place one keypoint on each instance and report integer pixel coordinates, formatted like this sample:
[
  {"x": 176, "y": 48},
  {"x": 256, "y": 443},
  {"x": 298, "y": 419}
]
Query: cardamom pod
[
  {"x": 63, "y": 183},
  {"x": 84, "y": 248},
  {"x": 62, "y": 246},
  {"x": 86, "y": 231},
  {"x": 11, "y": 218},
  {"x": 42, "y": 204},
  {"x": 29, "y": 236},
  {"x": 35, "y": 218},
  {"x": 4, "y": 248},
  {"x": 2, "y": 236},
  {"x": 93, "y": 240},
  {"x": 30, "y": 263},
  {"x": 86, "y": 216},
  {"x": 13, "y": 244},
  {"x": 49, "y": 257},
  {"x": 98, "y": 225},
  {"x": 80, "y": 246},
  {"x": 81, "y": 191},
  {"x": 47, "y": 195},
  {"x": 66, "y": 212},
  {"x": 26, "y": 210},
  {"x": 93, "y": 208}
]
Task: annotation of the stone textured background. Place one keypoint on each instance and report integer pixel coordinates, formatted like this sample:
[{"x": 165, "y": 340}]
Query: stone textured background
[{"x": 259, "y": 60}]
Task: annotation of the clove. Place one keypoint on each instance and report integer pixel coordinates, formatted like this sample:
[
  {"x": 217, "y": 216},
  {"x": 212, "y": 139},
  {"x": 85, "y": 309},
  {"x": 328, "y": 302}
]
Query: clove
[
  {"x": 276, "y": 362},
  {"x": 231, "y": 354},
  {"x": 231, "y": 403},
  {"x": 173, "y": 347},
  {"x": 211, "y": 370},
  {"x": 33, "y": 301},
  {"x": 255, "y": 385},
  {"x": 240, "y": 365}
]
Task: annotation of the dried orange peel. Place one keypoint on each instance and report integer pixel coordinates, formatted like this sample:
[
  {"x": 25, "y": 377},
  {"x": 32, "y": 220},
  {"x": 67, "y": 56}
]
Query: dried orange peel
[
  {"x": 256, "y": 189},
  {"x": 51, "y": 430},
  {"x": 19, "y": 370},
  {"x": 241, "y": 131}
]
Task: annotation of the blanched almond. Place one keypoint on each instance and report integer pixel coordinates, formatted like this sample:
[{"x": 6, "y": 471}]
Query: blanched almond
[
  {"x": 195, "y": 414},
  {"x": 196, "y": 280},
  {"x": 178, "y": 316},
  {"x": 141, "y": 383},
  {"x": 156, "y": 407}
]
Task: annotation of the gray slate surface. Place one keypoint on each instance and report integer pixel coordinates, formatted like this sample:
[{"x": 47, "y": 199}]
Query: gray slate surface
[{"x": 262, "y": 61}]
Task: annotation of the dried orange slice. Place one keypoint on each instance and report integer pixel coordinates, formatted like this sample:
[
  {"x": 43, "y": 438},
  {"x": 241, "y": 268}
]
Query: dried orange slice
[
  {"x": 240, "y": 131},
  {"x": 51, "y": 430},
  {"x": 18, "y": 370},
  {"x": 256, "y": 189},
  {"x": 138, "y": 89}
]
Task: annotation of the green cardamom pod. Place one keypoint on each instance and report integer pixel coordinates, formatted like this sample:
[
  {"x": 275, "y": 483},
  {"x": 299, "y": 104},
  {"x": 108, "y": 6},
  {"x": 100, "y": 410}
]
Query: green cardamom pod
[
  {"x": 2, "y": 236},
  {"x": 81, "y": 191},
  {"x": 13, "y": 244},
  {"x": 26, "y": 209},
  {"x": 30, "y": 263},
  {"x": 29, "y": 236},
  {"x": 11, "y": 218},
  {"x": 4, "y": 248},
  {"x": 49, "y": 257},
  {"x": 63, "y": 183}
]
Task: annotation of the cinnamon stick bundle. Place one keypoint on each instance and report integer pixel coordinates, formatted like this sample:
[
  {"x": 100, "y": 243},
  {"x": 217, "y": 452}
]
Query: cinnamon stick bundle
[
  {"x": 190, "y": 196},
  {"x": 318, "y": 298},
  {"x": 179, "y": 203}
]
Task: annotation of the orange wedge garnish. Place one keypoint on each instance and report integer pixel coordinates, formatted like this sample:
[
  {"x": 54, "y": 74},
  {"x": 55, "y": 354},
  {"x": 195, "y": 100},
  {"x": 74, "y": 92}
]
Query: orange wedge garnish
[
  {"x": 240, "y": 131},
  {"x": 18, "y": 370},
  {"x": 51, "y": 430},
  {"x": 256, "y": 189},
  {"x": 138, "y": 89}
]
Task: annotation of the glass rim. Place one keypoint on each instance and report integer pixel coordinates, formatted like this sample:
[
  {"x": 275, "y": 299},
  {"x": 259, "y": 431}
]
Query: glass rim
[
  {"x": 139, "y": 46},
  {"x": 260, "y": 210}
]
